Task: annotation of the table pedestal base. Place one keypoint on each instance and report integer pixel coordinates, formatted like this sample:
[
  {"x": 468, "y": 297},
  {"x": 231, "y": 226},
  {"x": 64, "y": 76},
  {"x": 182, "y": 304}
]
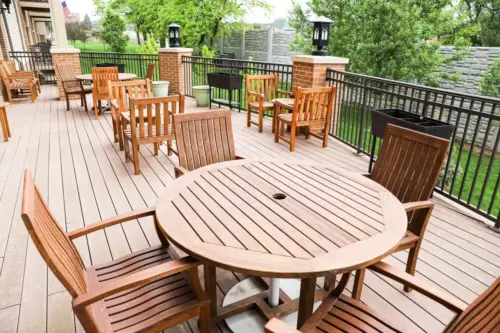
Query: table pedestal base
[{"x": 253, "y": 319}]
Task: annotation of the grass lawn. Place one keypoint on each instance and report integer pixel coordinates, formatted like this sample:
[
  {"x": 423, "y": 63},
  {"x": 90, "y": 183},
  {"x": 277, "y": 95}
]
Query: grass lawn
[
  {"x": 101, "y": 47},
  {"x": 348, "y": 129}
]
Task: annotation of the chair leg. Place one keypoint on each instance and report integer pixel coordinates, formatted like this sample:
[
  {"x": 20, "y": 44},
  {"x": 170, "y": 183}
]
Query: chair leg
[
  {"x": 308, "y": 132},
  {"x": 156, "y": 145},
  {"x": 3, "y": 122},
  {"x": 261, "y": 121},
  {"x": 84, "y": 100},
  {"x": 358, "y": 283},
  {"x": 411, "y": 264},
  {"x": 127, "y": 151},
  {"x": 277, "y": 132},
  {"x": 9, "y": 96},
  {"x": 67, "y": 102},
  {"x": 135, "y": 151},
  {"x": 121, "y": 127},
  {"x": 33, "y": 94},
  {"x": 248, "y": 116},
  {"x": 115, "y": 129},
  {"x": 95, "y": 108},
  {"x": 169, "y": 150},
  {"x": 204, "y": 321},
  {"x": 293, "y": 135}
]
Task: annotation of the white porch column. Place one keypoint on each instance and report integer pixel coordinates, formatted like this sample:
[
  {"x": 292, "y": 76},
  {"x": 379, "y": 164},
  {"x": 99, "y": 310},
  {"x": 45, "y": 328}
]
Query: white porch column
[{"x": 59, "y": 39}]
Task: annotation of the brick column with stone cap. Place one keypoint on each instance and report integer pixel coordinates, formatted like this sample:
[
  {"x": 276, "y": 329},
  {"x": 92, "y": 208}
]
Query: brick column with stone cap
[
  {"x": 172, "y": 69},
  {"x": 310, "y": 72},
  {"x": 62, "y": 56}
]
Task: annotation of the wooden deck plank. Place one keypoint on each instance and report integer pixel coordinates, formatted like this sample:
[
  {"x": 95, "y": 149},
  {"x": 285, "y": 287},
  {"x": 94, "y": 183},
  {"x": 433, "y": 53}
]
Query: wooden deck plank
[{"x": 85, "y": 178}]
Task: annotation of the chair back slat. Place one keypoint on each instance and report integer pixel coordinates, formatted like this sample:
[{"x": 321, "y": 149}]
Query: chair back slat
[
  {"x": 10, "y": 67},
  {"x": 144, "y": 110},
  {"x": 409, "y": 163},
  {"x": 483, "y": 315},
  {"x": 267, "y": 85},
  {"x": 122, "y": 91},
  {"x": 313, "y": 104},
  {"x": 100, "y": 78},
  {"x": 55, "y": 247},
  {"x": 4, "y": 75},
  {"x": 150, "y": 72},
  {"x": 204, "y": 138},
  {"x": 51, "y": 241},
  {"x": 67, "y": 76}
]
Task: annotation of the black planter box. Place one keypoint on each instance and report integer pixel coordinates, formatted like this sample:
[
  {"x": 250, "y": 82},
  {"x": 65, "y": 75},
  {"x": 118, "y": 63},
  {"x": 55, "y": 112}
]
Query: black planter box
[
  {"x": 225, "y": 80},
  {"x": 121, "y": 67},
  {"x": 382, "y": 117}
]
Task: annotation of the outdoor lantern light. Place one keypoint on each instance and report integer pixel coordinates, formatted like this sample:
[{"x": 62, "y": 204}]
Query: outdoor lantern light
[
  {"x": 174, "y": 35},
  {"x": 5, "y": 6},
  {"x": 321, "y": 34}
]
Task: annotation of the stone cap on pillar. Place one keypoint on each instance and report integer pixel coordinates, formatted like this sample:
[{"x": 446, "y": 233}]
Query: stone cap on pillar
[
  {"x": 176, "y": 50},
  {"x": 64, "y": 50},
  {"x": 309, "y": 59}
]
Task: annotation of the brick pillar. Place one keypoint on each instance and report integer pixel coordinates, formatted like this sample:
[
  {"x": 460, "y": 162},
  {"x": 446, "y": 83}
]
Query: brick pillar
[
  {"x": 310, "y": 72},
  {"x": 172, "y": 69},
  {"x": 66, "y": 56}
]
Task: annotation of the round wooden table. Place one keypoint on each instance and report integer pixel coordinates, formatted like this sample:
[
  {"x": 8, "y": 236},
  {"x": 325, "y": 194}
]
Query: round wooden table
[
  {"x": 121, "y": 77},
  {"x": 280, "y": 219}
]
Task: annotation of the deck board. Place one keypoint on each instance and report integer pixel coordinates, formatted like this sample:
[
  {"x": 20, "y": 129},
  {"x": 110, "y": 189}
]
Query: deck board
[{"x": 84, "y": 177}]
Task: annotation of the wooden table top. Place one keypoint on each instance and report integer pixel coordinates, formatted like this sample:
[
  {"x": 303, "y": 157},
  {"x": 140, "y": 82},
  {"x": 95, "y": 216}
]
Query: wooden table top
[
  {"x": 121, "y": 77},
  {"x": 290, "y": 219}
]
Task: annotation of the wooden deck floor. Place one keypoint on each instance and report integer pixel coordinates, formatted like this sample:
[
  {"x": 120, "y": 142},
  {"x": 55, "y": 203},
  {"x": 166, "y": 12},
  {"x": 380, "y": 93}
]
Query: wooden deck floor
[{"x": 85, "y": 179}]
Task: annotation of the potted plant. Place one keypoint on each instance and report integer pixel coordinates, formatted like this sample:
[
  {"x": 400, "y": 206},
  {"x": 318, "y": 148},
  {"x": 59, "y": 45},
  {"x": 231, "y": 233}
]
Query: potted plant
[
  {"x": 202, "y": 95},
  {"x": 160, "y": 88}
]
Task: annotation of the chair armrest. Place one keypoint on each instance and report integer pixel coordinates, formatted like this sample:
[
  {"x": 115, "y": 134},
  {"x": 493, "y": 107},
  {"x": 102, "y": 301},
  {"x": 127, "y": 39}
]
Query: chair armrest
[
  {"x": 412, "y": 206},
  {"x": 21, "y": 75},
  {"x": 138, "y": 279},
  {"x": 259, "y": 96},
  {"x": 180, "y": 171},
  {"x": 277, "y": 326},
  {"x": 111, "y": 221},
  {"x": 287, "y": 93},
  {"x": 114, "y": 104},
  {"x": 422, "y": 287}
]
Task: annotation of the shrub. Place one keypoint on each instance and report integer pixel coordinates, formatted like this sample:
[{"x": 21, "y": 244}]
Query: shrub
[{"x": 490, "y": 82}]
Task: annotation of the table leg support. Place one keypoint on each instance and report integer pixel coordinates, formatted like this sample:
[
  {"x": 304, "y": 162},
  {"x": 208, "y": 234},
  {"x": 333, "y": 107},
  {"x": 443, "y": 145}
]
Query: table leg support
[
  {"x": 211, "y": 287},
  {"x": 274, "y": 292},
  {"x": 306, "y": 303}
]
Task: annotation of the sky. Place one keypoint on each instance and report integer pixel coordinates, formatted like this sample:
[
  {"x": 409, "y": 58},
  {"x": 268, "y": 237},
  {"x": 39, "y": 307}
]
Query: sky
[{"x": 280, "y": 9}]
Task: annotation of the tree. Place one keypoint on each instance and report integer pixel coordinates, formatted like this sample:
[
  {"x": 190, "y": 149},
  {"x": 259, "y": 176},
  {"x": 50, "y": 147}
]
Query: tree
[
  {"x": 391, "y": 39},
  {"x": 490, "y": 82},
  {"x": 201, "y": 20},
  {"x": 87, "y": 22},
  {"x": 76, "y": 31},
  {"x": 112, "y": 32},
  {"x": 149, "y": 46}
]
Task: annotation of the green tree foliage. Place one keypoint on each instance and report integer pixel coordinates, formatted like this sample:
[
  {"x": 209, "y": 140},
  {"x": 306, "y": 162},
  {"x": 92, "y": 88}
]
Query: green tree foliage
[
  {"x": 112, "y": 32},
  {"x": 77, "y": 31},
  {"x": 392, "y": 39},
  {"x": 201, "y": 20},
  {"x": 149, "y": 46},
  {"x": 87, "y": 22},
  {"x": 479, "y": 20},
  {"x": 490, "y": 82}
]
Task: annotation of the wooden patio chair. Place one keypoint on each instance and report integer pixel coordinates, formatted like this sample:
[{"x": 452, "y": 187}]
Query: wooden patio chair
[
  {"x": 211, "y": 129},
  {"x": 261, "y": 90},
  {"x": 151, "y": 122},
  {"x": 72, "y": 86},
  {"x": 339, "y": 313},
  {"x": 15, "y": 84},
  {"x": 4, "y": 122},
  {"x": 150, "y": 71},
  {"x": 119, "y": 94},
  {"x": 11, "y": 70},
  {"x": 100, "y": 78},
  {"x": 408, "y": 165},
  {"x": 146, "y": 291},
  {"x": 312, "y": 108}
]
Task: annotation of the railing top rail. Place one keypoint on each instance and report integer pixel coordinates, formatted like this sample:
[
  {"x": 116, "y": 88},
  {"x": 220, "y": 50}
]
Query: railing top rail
[
  {"x": 451, "y": 93},
  {"x": 236, "y": 60},
  {"x": 120, "y": 53}
]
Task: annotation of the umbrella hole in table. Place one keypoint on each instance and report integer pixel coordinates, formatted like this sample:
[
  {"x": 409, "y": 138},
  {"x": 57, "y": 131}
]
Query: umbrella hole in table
[{"x": 279, "y": 196}]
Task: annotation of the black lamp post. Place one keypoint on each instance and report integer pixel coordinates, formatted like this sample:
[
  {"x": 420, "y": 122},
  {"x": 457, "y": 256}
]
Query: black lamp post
[
  {"x": 174, "y": 36},
  {"x": 5, "y": 6},
  {"x": 321, "y": 34}
]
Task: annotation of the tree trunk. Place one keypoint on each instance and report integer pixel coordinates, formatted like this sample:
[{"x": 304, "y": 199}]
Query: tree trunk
[{"x": 138, "y": 34}]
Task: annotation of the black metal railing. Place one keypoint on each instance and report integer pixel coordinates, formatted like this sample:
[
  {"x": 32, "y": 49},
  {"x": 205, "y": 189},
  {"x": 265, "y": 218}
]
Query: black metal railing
[
  {"x": 196, "y": 69},
  {"x": 40, "y": 61},
  {"x": 135, "y": 63},
  {"x": 471, "y": 175}
]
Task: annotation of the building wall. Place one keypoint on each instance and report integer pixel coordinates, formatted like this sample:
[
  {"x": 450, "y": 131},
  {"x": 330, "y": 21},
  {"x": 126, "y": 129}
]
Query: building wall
[
  {"x": 14, "y": 27},
  {"x": 472, "y": 68}
]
